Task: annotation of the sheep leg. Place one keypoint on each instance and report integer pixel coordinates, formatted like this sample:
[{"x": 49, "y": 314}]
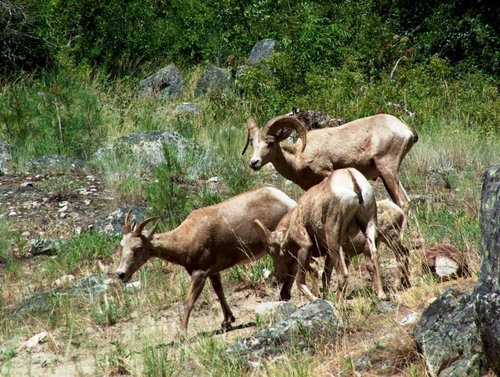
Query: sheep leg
[
  {"x": 286, "y": 289},
  {"x": 388, "y": 174},
  {"x": 198, "y": 279},
  {"x": 370, "y": 233},
  {"x": 335, "y": 238},
  {"x": 228, "y": 315},
  {"x": 304, "y": 256},
  {"x": 403, "y": 257},
  {"x": 313, "y": 273},
  {"x": 336, "y": 259}
]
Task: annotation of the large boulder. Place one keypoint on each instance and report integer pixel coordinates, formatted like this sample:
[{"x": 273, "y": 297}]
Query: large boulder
[
  {"x": 448, "y": 338},
  {"x": 54, "y": 163},
  {"x": 141, "y": 151},
  {"x": 214, "y": 79},
  {"x": 262, "y": 50},
  {"x": 487, "y": 291},
  {"x": 304, "y": 328},
  {"x": 459, "y": 333},
  {"x": 5, "y": 158},
  {"x": 166, "y": 83}
]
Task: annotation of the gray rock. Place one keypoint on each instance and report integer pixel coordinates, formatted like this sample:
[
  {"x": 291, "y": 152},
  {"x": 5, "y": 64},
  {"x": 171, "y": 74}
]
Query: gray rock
[
  {"x": 272, "y": 312},
  {"x": 386, "y": 306},
  {"x": 187, "y": 108},
  {"x": 409, "y": 319},
  {"x": 262, "y": 50},
  {"x": 89, "y": 288},
  {"x": 141, "y": 151},
  {"x": 166, "y": 83},
  {"x": 44, "y": 247},
  {"x": 448, "y": 338},
  {"x": 214, "y": 79},
  {"x": 5, "y": 158},
  {"x": 46, "y": 164},
  {"x": 487, "y": 291},
  {"x": 363, "y": 363},
  {"x": 305, "y": 328},
  {"x": 92, "y": 285},
  {"x": 40, "y": 302},
  {"x": 113, "y": 223}
]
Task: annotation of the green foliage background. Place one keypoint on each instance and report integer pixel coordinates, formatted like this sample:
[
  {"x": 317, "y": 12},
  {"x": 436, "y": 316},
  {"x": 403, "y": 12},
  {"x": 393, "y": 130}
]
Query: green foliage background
[{"x": 120, "y": 36}]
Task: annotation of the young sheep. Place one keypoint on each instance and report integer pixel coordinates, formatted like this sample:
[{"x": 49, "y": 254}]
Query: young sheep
[
  {"x": 209, "y": 240},
  {"x": 320, "y": 222},
  {"x": 374, "y": 145},
  {"x": 389, "y": 219}
]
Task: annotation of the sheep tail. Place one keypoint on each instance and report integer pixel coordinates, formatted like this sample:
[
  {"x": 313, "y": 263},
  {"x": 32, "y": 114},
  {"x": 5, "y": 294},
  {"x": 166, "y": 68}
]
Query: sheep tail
[{"x": 357, "y": 189}]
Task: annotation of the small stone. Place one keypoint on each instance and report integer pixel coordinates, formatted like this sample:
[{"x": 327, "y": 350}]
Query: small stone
[
  {"x": 132, "y": 286},
  {"x": 386, "y": 306},
  {"x": 445, "y": 267},
  {"x": 63, "y": 281},
  {"x": 12, "y": 213},
  {"x": 33, "y": 341},
  {"x": 27, "y": 185},
  {"x": 409, "y": 319}
]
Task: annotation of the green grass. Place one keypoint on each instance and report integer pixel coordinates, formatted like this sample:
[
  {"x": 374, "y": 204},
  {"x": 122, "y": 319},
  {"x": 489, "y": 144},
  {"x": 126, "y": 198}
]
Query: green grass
[{"x": 81, "y": 252}]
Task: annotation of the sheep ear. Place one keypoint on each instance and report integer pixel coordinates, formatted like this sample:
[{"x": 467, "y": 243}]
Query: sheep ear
[{"x": 263, "y": 232}]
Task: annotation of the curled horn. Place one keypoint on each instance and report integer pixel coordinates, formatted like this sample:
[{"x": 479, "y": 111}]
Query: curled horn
[
  {"x": 251, "y": 127},
  {"x": 274, "y": 125},
  {"x": 126, "y": 227},
  {"x": 138, "y": 229}
]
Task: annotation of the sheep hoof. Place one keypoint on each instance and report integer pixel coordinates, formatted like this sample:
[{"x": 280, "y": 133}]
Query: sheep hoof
[
  {"x": 226, "y": 325},
  {"x": 285, "y": 296}
]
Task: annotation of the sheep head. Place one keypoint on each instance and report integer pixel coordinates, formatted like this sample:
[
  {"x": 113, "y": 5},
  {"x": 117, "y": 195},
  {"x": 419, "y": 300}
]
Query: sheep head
[
  {"x": 274, "y": 246},
  {"x": 135, "y": 247},
  {"x": 265, "y": 142}
]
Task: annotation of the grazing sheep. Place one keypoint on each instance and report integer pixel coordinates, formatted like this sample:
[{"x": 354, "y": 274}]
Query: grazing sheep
[
  {"x": 209, "y": 240},
  {"x": 374, "y": 145},
  {"x": 320, "y": 223},
  {"x": 389, "y": 219}
]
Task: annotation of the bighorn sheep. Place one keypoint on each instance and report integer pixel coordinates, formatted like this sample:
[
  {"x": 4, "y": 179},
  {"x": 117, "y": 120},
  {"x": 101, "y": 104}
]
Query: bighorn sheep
[
  {"x": 374, "y": 145},
  {"x": 209, "y": 240},
  {"x": 320, "y": 222},
  {"x": 389, "y": 218}
]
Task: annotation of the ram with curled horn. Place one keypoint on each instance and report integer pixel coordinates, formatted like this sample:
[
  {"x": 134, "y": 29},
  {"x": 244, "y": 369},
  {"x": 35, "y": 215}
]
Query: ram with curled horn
[{"x": 376, "y": 146}]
